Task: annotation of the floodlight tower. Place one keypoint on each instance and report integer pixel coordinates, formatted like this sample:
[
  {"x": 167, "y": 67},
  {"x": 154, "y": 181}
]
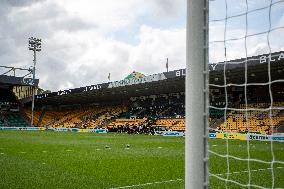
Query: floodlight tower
[{"x": 35, "y": 46}]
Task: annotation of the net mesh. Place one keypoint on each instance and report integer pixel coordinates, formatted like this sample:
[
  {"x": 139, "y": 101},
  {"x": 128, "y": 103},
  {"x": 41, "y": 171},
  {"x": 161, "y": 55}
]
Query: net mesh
[{"x": 246, "y": 40}]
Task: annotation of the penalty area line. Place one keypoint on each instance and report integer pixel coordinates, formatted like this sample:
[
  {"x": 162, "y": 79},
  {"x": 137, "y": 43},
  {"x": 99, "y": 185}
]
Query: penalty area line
[{"x": 146, "y": 184}]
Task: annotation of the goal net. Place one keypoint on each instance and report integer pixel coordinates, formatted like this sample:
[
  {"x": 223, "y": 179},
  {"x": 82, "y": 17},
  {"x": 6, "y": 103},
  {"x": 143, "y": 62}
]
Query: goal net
[
  {"x": 246, "y": 93},
  {"x": 242, "y": 49}
]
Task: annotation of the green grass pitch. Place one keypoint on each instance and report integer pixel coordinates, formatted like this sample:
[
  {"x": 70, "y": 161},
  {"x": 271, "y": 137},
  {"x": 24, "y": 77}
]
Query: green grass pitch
[{"x": 88, "y": 160}]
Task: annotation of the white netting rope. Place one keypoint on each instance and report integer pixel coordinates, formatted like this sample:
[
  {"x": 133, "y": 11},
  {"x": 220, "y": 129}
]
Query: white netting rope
[
  {"x": 271, "y": 101},
  {"x": 248, "y": 109}
]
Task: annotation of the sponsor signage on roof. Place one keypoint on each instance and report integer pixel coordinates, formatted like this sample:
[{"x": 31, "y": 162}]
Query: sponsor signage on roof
[
  {"x": 251, "y": 61},
  {"x": 137, "y": 78},
  {"x": 18, "y": 80},
  {"x": 270, "y": 58},
  {"x": 134, "y": 81}
]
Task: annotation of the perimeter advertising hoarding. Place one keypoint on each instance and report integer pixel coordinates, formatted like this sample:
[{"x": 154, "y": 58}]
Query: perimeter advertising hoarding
[
  {"x": 54, "y": 129},
  {"x": 169, "y": 133},
  {"x": 62, "y": 129},
  {"x": 265, "y": 137},
  {"x": 234, "y": 136},
  {"x": 23, "y": 128},
  {"x": 241, "y": 136}
]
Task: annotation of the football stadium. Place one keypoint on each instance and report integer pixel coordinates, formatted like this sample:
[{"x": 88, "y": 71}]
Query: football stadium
[
  {"x": 215, "y": 122},
  {"x": 129, "y": 133}
]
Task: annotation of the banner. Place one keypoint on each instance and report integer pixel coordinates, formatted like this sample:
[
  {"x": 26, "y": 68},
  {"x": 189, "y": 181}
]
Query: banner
[
  {"x": 234, "y": 136},
  {"x": 212, "y": 135},
  {"x": 18, "y": 80},
  {"x": 274, "y": 58},
  {"x": 169, "y": 133},
  {"x": 265, "y": 137},
  {"x": 97, "y": 130},
  {"x": 241, "y": 136},
  {"x": 22, "y": 128},
  {"x": 63, "y": 129}
]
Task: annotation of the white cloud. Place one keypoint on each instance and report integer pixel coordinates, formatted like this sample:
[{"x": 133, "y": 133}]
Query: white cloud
[
  {"x": 88, "y": 59},
  {"x": 82, "y": 40},
  {"x": 155, "y": 46},
  {"x": 78, "y": 48},
  {"x": 258, "y": 40},
  {"x": 108, "y": 15}
]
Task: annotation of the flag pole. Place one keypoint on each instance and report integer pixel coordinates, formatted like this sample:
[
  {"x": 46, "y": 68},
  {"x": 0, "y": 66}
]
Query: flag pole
[
  {"x": 167, "y": 65},
  {"x": 108, "y": 76}
]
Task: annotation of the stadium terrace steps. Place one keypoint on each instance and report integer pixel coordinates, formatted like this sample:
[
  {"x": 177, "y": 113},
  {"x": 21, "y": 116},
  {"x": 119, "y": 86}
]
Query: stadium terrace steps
[
  {"x": 41, "y": 117},
  {"x": 89, "y": 117},
  {"x": 139, "y": 112},
  {"x": 280, "y": 128},
  {"x": 253, "y": 121},
  {"x": 130, "y": 122},
  {"x": 172, "y": 124},
  {"x": 164, "y": 111},
  {"x": 105, "y": 117}
]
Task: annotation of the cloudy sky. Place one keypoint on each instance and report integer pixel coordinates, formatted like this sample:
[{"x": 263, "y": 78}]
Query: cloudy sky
[{"x": 85, "y": 40}]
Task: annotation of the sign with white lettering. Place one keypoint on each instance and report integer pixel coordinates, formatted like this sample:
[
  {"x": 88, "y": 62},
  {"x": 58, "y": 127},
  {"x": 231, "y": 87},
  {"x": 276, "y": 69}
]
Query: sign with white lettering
[
  {"x": 134, "y": 81},
  {"x": 18, "y": 80},
  {"x": 214, "y": 67},
  {"x": 271, "y": 58}
]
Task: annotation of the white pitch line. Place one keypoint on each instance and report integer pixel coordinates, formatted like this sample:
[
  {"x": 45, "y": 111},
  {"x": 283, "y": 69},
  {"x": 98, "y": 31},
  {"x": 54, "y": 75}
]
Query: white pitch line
[
  {"x": 146, "y": 184},
  {"x": 254, "y": 170}
]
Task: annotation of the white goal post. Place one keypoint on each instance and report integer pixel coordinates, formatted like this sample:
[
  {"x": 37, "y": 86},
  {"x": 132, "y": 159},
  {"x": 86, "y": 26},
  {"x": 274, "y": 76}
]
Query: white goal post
[
  {"x": 244, "y": 41},
  {"x": 196, "y": 158}
]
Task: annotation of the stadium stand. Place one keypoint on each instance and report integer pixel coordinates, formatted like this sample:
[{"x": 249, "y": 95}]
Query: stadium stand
[
  {"x": 141, "y": 111},
  {"x": 156, "y": 101},
  {"x": 10, "y": 116},
  {"x": 164, "y": 111},
  {"x": 76, "y": 117}
]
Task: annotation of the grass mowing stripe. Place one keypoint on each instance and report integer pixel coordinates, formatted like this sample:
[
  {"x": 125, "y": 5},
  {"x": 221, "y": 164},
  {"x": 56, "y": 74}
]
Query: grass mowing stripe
[
  {"x": 73, "y": 161},
  {"x": 147, "y": 184},
  {"x": 81, "y": 160}
]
